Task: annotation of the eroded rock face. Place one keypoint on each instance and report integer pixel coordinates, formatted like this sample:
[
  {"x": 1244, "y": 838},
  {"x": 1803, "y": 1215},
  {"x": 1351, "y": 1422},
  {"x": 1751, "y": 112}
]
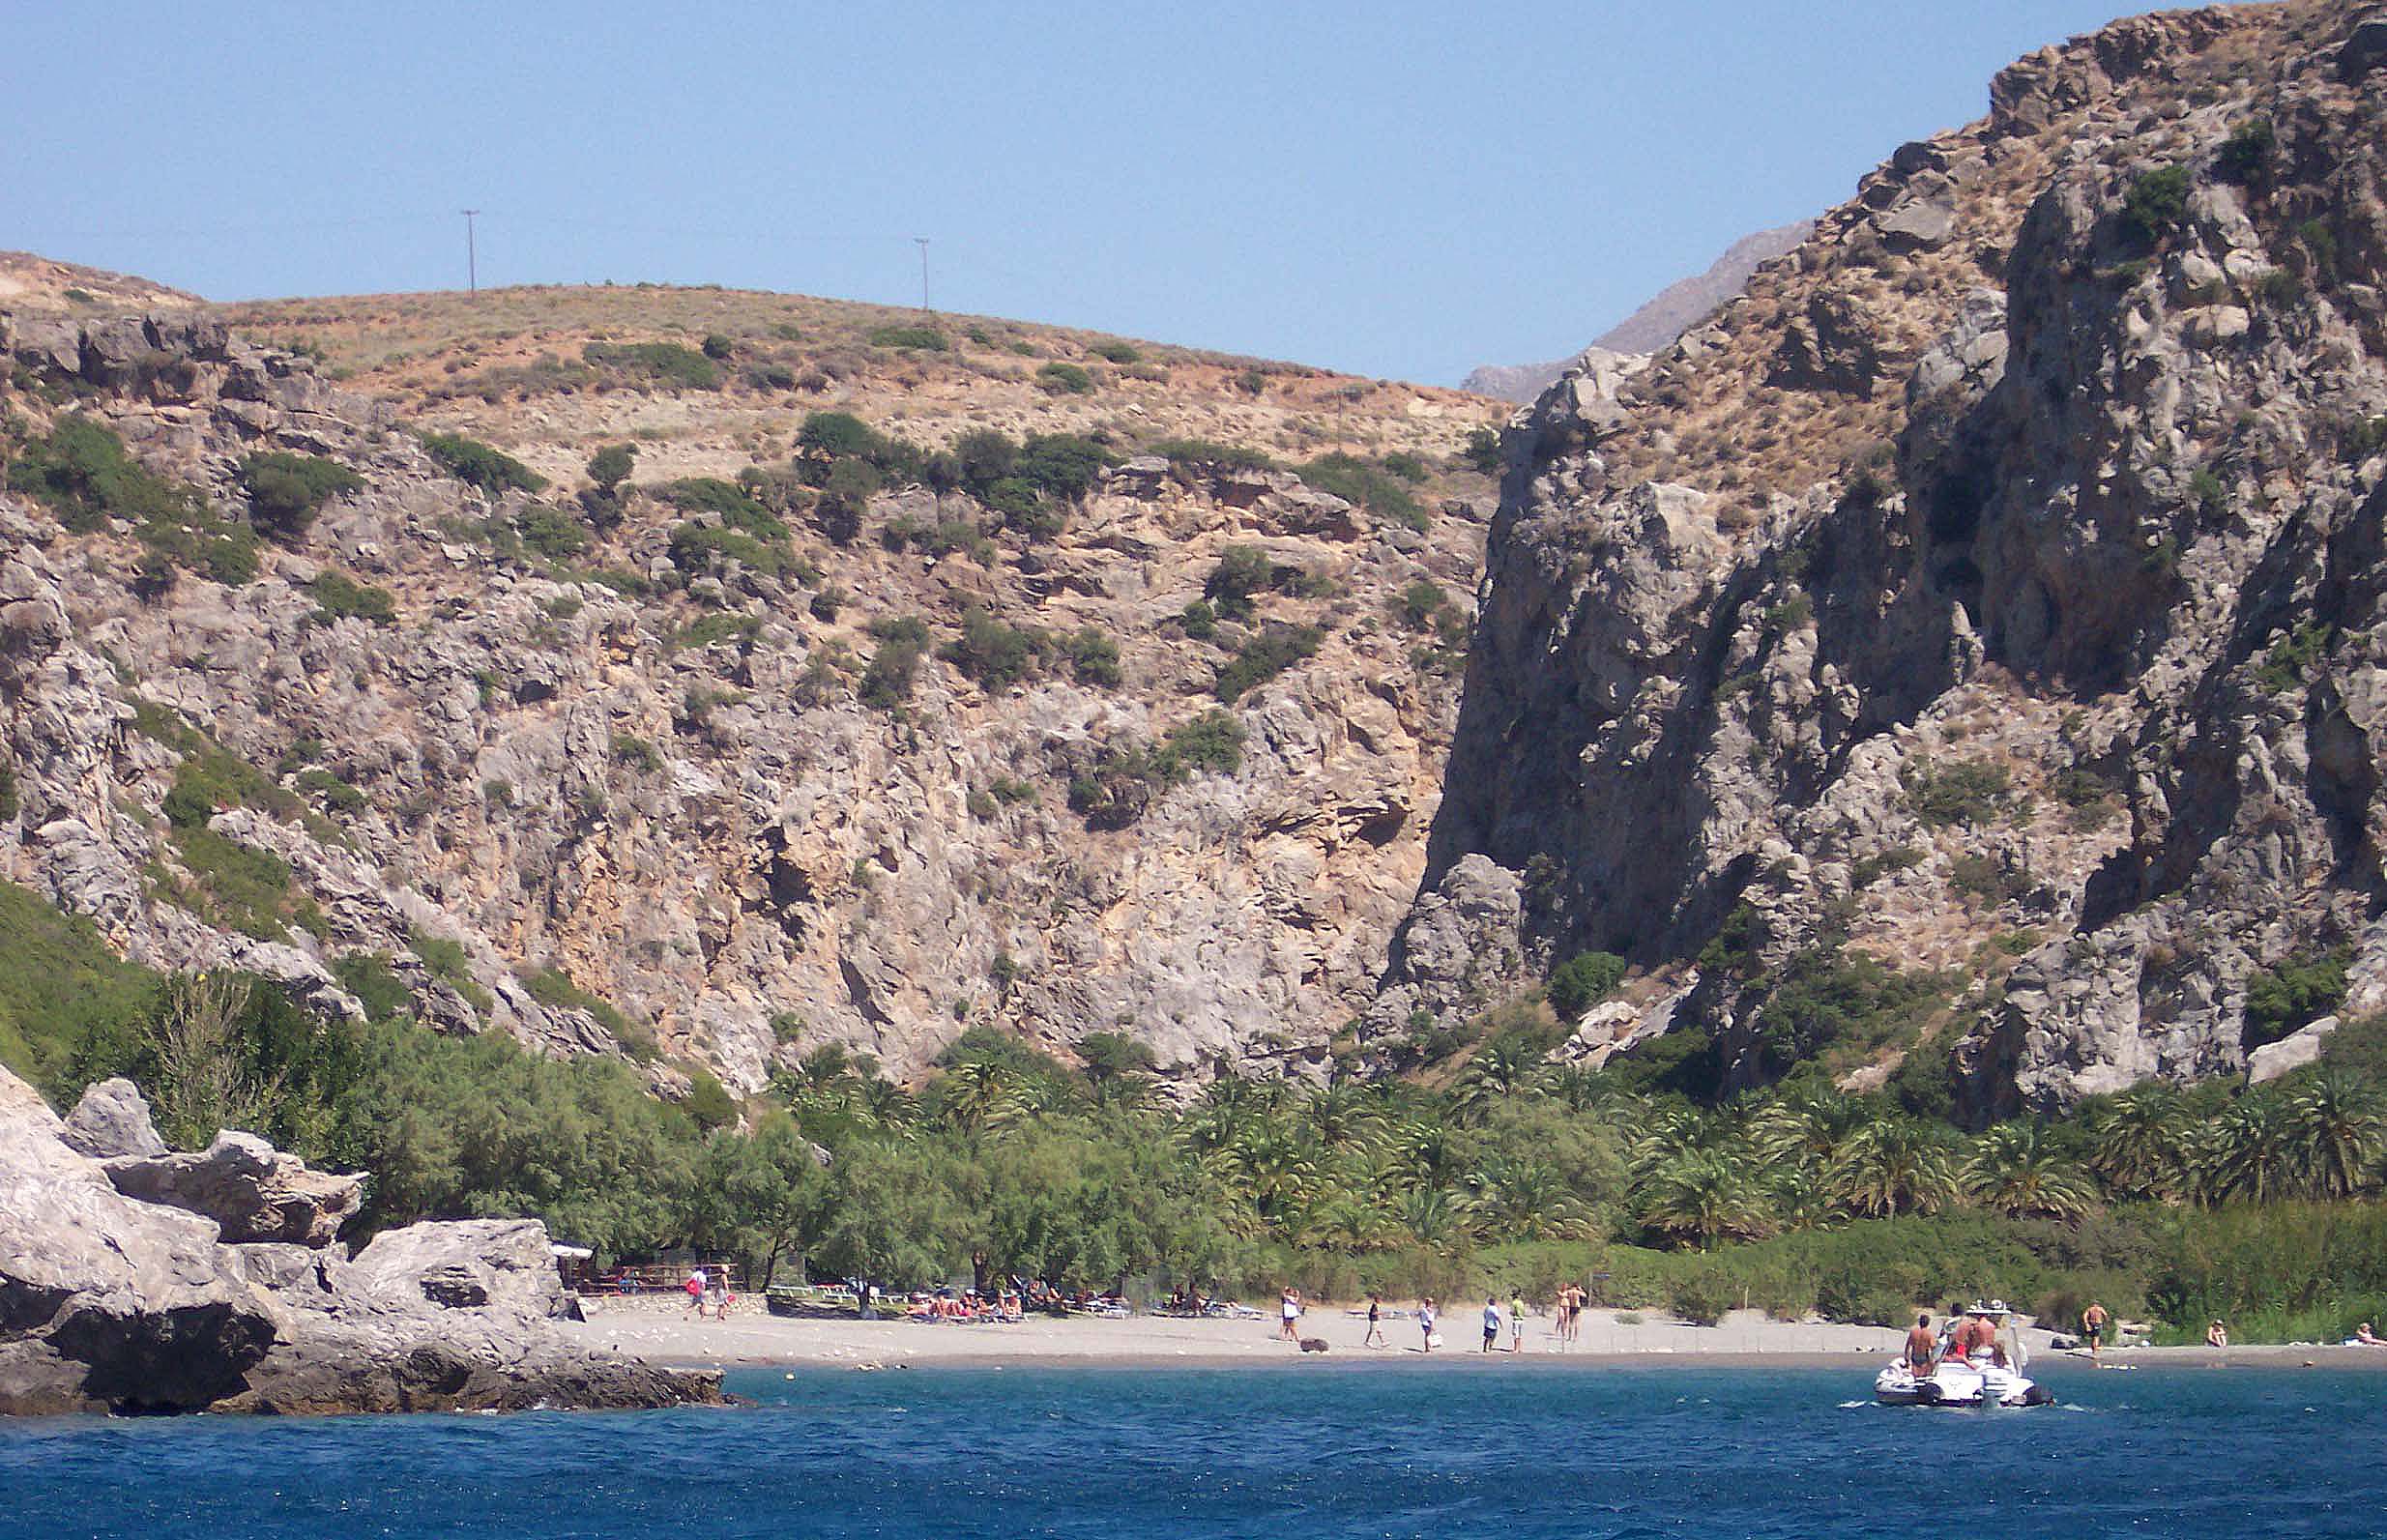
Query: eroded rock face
[
  {"x": 717, "y": 836},
  {"x": 252, "y": 1190},
  {"x": 109, "y": 1303},
  {"x": 1986, "y": 480}
]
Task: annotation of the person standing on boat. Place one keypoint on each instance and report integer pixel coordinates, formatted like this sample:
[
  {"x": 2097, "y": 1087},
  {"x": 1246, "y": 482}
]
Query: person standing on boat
[
  {"x": 1922, "y": 1347},
  {"x": 2093, "y": 1328}
]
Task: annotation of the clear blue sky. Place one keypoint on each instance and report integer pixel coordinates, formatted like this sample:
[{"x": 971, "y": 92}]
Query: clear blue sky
[{"x": 1396, "y": 188}]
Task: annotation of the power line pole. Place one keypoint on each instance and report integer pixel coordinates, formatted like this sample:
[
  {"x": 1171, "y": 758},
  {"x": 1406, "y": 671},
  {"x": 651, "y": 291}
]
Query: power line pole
[
  {"x": 472, "y": 252},
  {"x": 922, "y": 241}
]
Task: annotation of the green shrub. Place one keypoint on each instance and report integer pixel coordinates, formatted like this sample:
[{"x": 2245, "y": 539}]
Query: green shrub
[
  {"x": 706, "y": 630},
  {"x": 2157, "y": 203},
  {"x": 339, "y": 598},
  {"x": 1206, "y": 452},
  {"x": 611, "y": 466},
  {"x": 1966, "y": 791},
  {"x": 1065, "y": 379},
  {"x": 827, "y": 602},
  {"x": 667, "y": 361},
  {"x": 1482, "y": 453},
  {"x": 9, "y": 806},
  {"x": 1061, "y": 465},
  {"x": 1093, "y": 657},
  {"x": 2245, "y": 157},
  {"x": 636, "y": 753},
  {"x": 1701, "y": 1298},
  {"x": 61, "y": 988},
  {"x": 1407, "y": 466},
  {"x": 1124, "y": 777},
  {"x": 1212, "y": 742},
  {"x": 1115, "y": 352},
  {"x": 286, "y": 491},
  {"x": 481, "y": 465},
  {"x": 2301, "y": 988},
  {"x": 1583, "y": 982},
  {"x": 995, "y": 654},
  {"x": 335, "y": 793},
  {"x": 82, "y": 473},
  {"x": 887, "y": 679},
  {"x": 551, "y": 533},
  {"x": 1199, "y": 620},
  {"x": 1372, "y": 487},
  {"x": 2290, "y": 662},
  {"x": 709, "y": 1104},
  {"x": 1839, "y": 1008},
  {"x": 922, "y": 338},
  {"x": 369, "y": 978},
  {"x": 1264, "y": 657}
]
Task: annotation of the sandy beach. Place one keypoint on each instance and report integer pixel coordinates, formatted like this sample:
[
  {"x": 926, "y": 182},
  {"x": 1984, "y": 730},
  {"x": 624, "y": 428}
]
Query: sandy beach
[{"x": 661, "y": 1332}]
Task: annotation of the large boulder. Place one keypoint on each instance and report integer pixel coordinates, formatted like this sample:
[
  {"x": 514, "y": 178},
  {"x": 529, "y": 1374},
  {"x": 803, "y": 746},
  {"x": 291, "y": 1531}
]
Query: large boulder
[
  {"x": 106, "y": 1303},
  {"x": 250, "y": 1189},
  {"x": 498, "y": 1263},
  {"x": 112, "y": 1120}
]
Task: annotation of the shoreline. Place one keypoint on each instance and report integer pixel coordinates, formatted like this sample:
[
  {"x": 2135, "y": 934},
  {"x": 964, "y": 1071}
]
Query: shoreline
[{"x": 1744, "y": 1339}]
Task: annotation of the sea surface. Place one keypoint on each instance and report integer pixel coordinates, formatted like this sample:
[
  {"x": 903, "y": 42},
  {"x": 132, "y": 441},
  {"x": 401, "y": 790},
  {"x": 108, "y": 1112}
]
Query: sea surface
[{"x": 1519, "y": 1450}]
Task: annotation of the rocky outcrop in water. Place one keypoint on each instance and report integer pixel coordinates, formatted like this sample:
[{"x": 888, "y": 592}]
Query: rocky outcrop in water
[{"x": 109, "y": 1303}]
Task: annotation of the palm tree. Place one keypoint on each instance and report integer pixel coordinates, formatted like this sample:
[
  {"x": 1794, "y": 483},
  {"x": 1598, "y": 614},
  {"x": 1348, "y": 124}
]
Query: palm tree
[
  {"x": 1522, "y": 1199},
  {"x": 980, "y": 1096},
  {"x": 1807, "y": 1127},
  {"x": 2250, "y": 1152},
  {"x": 1344, "y": 1116},
  {"x": 1708, "y": 1196},
  {"x": 1892, "y": 1167},
  {"x": 2335, "y": 1130},
  {"x": 1431, "y": 1215},
  {"x": 1498, "y": 1072},
  {"x": 1275, "y": 1169},
  {"x": 1573, "y": 1087},
  {"x": 2139, "y": 1143},
  {"x": 2016, "y": 1170}
]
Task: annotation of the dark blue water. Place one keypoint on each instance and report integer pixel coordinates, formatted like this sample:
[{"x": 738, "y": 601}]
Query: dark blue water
[{"x": 1518, "y": 1451}]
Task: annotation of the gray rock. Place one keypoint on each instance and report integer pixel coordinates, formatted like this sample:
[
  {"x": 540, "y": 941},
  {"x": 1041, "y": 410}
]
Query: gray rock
[
  {"x": 252, "y": 1190},
  {"x": 1919, "y": 226},
  {"x": 2299, "y": 1048},
  {"x": 112, "y": 1120}
]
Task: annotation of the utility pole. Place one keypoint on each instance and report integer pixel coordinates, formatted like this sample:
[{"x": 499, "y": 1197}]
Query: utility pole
[
  {"x": 472, "y": 252},
  {"x": 922, "y": 241}
]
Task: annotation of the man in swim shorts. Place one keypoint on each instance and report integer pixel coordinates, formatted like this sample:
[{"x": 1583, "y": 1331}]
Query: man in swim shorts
[
  {"x": 2093, "y": 1328},
  {"x": 1922, "y": 1347},
  {"x": 1492, "y": 1322}
]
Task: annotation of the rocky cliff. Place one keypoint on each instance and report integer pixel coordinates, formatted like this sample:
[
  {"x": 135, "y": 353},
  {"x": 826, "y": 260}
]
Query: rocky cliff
[
  {"x": 620, "y": 779},
  {"x": 1993, "y": 589}
]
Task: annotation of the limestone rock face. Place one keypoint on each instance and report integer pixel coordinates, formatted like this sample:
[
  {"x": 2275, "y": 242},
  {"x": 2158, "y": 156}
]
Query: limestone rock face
[
  {"x": 252, "y": 1190},
  {"x": 112, "y": 1120},
  {"x": 666, "y": 794},
  {"x": 109, "y": 1303},
  {"x": 1988, "y": 485}
]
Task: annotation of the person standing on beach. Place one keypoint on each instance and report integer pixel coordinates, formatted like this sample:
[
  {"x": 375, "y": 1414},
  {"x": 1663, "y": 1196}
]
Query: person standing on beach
[
  {"x": 696, "y": 1294},
  {"x": 1289, "y": 1308},
  {"x": 1516, "y": 1324},
  {"x": 1492, "y": 1322},
  {"x": 1375, "y": 1327},
  {"x": 2093, "y": 1328},
  {"x": 1425, "y": 1322}
]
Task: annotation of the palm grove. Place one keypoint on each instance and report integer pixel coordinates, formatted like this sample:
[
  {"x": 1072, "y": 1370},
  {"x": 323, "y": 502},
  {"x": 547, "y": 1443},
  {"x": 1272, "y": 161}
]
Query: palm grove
[{"x": 1492, "y": 1167}]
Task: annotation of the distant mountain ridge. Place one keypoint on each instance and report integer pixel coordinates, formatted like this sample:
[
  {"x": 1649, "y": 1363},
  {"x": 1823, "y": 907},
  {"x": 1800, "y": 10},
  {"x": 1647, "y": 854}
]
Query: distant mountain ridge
[{"x": 1672, "y": 312}]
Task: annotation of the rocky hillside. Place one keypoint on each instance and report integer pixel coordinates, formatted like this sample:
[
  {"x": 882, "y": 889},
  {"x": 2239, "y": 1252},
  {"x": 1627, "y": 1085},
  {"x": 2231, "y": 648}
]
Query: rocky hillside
[
  {"x": 919, "y": 674},
  {"x": 1960, "y": 660},
  {"x": 1669, "y": 313}
]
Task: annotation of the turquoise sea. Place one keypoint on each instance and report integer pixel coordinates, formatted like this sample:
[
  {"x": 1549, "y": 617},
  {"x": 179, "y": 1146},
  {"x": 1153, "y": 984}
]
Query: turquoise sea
[{"x": 1517, "y": 1450}]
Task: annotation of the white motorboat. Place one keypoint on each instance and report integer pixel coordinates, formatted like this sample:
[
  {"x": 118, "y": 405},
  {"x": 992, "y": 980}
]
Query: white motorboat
[{"x": 1989, "y": 1376}]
